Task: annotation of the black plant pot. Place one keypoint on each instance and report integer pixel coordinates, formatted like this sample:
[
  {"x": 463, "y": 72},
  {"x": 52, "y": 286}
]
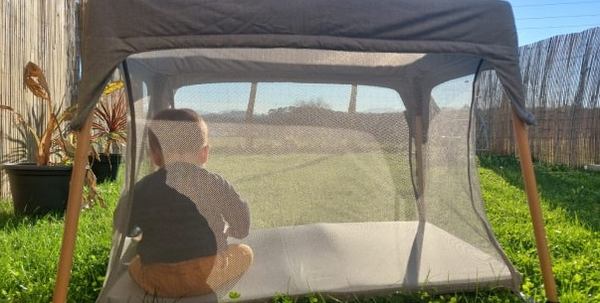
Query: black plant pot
[
  {"x": 107, "y": 168},
  {"x": 38, "y": 190}
]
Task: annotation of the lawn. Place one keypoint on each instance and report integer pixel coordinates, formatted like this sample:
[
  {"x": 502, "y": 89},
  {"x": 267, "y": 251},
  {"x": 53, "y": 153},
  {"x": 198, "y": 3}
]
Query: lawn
[
  {"x": 303, "y": 188},
  {"x": 29, "y": 247}
]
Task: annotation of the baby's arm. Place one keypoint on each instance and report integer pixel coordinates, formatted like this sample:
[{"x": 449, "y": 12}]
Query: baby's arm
[
  {"x": 235, "y": 211},
  {"x": 126, "y": 223}
]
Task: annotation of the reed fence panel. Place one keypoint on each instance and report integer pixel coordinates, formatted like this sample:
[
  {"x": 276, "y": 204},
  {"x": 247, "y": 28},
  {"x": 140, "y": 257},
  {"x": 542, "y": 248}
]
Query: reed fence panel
[
  {"x": 561, "y": 76},
  {"x": 41, "y": 31}
]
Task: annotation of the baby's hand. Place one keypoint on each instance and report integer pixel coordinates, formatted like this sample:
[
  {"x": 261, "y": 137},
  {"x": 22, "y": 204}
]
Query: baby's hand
[
  {"x": 137, "y": 238},
  {"x": 226, "y": 230},
  {"x": 136, "y": 234}
]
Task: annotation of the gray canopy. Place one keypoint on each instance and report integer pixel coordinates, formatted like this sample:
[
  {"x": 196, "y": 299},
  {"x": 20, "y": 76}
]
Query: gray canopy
[
  {"x": 385, "y": 194},
  {"x": 116, "y": 29}
]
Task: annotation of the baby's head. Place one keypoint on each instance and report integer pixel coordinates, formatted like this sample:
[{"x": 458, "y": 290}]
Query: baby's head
[{"x": 178, "y": 135}]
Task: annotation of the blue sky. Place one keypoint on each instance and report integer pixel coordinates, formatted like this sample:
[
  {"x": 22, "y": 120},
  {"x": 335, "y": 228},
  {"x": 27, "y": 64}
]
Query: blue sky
[
  {"x": 540, "y": 19},
  {"x": 535, "y": 20},
  {"x": 234, "y": 97}
]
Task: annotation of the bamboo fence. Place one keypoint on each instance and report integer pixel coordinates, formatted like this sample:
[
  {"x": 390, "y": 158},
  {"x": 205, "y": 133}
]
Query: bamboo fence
[
  {"x": 561, "y": 76},
  {"x": 41, "y": 31}
]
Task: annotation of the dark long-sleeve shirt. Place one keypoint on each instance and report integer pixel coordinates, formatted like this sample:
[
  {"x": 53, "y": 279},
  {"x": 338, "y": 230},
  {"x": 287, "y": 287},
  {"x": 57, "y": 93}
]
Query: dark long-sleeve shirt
[{"x": 182, "y": 211}]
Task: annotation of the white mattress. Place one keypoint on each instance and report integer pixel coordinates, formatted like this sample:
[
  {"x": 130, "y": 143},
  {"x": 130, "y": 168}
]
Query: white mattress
[{"x": 349, "y": 258}]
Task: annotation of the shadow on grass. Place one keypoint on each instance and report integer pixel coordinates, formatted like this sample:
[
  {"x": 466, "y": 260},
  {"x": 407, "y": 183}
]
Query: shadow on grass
[
  {"x": 574, "y": 190},
  {"x": 11, "y": 221}
]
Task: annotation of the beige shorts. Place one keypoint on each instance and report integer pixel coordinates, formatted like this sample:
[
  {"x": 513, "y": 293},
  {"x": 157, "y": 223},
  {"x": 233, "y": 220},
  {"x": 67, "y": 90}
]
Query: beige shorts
[{"x": 192, "y": 277}]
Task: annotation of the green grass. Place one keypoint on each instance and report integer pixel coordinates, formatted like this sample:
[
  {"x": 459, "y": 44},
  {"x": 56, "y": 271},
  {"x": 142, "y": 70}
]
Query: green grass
[
  {"x": 292, "y": 189},
  {"x": 570, "y": 199},
  {"x": 29, "y": 249},
  {"x": 571, "y": 205}
]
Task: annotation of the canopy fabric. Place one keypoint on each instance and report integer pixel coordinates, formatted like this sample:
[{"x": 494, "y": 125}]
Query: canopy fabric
[
  {"x": 116, "y": 29},
  {"x": 194, "y": 66}
]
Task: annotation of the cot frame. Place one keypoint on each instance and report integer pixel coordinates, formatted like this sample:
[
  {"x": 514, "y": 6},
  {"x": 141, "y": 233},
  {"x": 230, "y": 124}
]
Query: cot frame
[{"x": 81, "y": 161}]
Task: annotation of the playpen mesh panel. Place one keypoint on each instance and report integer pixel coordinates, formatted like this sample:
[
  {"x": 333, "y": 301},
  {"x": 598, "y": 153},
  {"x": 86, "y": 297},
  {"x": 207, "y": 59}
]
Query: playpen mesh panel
[
  {"x": 450, "y": 200},
  {"x": 303, "y": 156},
  {"x": 326, "y": 172}
]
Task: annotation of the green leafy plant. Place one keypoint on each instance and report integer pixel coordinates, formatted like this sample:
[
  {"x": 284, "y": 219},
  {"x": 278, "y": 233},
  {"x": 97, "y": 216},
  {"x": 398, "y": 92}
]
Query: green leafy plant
[
  {"x": 234, "y": 295},
  {"x": 282, "y": 298}
]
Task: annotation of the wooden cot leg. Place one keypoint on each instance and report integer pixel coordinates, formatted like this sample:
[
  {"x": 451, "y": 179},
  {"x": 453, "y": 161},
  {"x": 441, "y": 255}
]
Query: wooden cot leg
[
  {"x": 72, "y": 216},
  {"x": 535, "y": 210}
]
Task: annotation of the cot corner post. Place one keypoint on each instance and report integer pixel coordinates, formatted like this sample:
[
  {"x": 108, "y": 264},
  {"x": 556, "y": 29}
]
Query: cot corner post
[
  {"x": 535, "y": 210},
  {"x": 420, "y": 158},
  {"x": 65, "y": 262}
]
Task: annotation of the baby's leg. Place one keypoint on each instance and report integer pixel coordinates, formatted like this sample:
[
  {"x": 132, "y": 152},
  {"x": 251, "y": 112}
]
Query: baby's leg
[
  {"x": 230, "y": 264},
  {"x": 173, "y": 280}
]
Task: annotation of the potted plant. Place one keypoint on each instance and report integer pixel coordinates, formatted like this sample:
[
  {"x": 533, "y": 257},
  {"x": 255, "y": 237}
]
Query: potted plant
[
  {"x": 109, "y": 132},
  {"x": 43, "y": 186}
]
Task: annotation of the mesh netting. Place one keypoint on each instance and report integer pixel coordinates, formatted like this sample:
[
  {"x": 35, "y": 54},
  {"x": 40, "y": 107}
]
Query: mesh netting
[{"x": 313, "y": 171}]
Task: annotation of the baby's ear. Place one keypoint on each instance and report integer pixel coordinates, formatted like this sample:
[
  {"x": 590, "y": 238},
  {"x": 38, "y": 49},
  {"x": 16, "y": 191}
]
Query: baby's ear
[
  {"x": 156, "y": 158},
  {"x": 204, "y": 154}
]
